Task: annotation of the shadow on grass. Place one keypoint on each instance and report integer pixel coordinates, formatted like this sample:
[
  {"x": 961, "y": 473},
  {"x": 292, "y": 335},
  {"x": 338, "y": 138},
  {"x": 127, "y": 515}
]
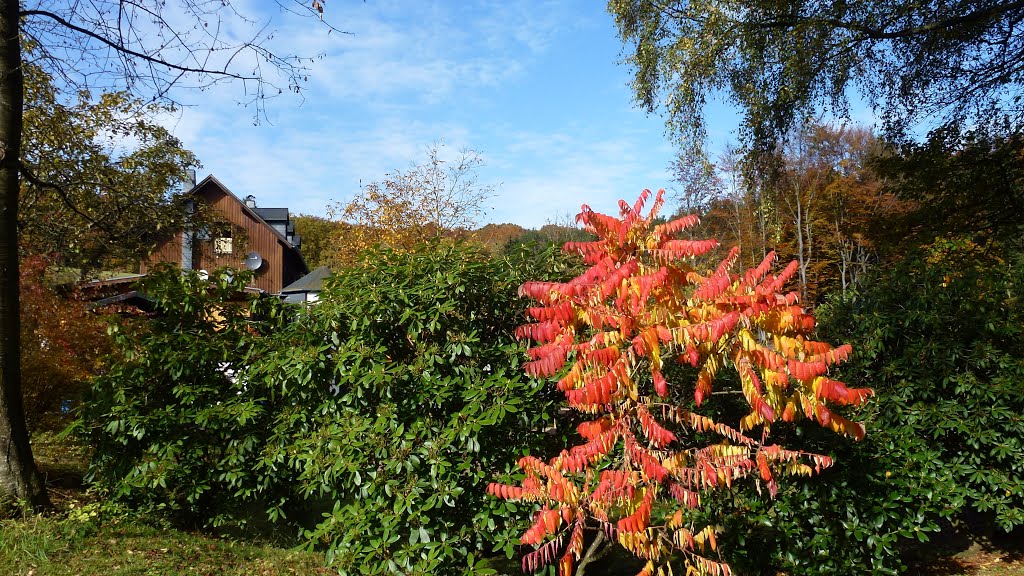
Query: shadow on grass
[{"x": 974, "y": 546}]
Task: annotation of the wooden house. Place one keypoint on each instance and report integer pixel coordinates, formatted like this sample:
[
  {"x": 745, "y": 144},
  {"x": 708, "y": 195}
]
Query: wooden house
[{"x": 239, "y": 235}]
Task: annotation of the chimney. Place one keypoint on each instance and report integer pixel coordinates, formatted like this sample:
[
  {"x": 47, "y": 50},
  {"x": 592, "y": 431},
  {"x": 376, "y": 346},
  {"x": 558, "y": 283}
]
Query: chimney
[
  {"x": 250, "y": 201},
  {"x": 189, "y": 181}
]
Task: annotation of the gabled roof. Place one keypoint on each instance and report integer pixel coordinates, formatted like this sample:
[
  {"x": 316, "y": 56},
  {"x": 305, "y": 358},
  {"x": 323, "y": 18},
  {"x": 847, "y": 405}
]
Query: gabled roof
[
  {"x": 312, "y": 282},
  {"x": 59, "y": 275},
  {"x": 211, "y": 179},
  {"x": 133, "y": 297}
]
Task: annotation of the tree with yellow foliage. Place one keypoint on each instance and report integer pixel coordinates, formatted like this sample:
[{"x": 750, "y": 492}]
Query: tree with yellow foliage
[{"x": 436, "y": 198}]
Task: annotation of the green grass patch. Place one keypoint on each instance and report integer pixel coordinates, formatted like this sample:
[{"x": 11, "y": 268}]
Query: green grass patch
[
  {"x": 79, "y": 544},
  {"x": 83, "y": 537}
]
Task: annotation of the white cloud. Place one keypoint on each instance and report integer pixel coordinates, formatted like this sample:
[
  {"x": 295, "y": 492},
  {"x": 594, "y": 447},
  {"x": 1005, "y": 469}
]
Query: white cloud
[
  {"x": 413, "y": 73},
  {"x": 563, "y": 171},
  {"x": 423, "y": 51},
  {"x": 325, "y": 160},
  {"x": 509, "y": 26}
]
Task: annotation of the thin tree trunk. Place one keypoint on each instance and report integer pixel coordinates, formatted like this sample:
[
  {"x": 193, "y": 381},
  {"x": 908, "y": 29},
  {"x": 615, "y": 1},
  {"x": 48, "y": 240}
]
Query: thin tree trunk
[
  {"x": 762, "y": 222},
  {"x": 597, "y": 550},
  {"x": 845, "y": 255},
  {"x": 809, "y": 239},
  {"x": 736, "y": 200},
  {"x": 19, "y": 480},
  {"x": 801, "y": 257}
]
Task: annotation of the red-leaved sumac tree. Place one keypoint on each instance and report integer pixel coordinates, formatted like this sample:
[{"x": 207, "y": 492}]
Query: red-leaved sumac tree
[{"x": 648, "y": 460}]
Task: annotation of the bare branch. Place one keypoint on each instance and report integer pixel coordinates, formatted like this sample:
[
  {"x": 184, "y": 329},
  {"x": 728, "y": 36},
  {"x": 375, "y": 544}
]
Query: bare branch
[
  {"x": 120, "y": 47},
  {"x": 144, "y": 47},
  {"x": 61, "y": 192}
]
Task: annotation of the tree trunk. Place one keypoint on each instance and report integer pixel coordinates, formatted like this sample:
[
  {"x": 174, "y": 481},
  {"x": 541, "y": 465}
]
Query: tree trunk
[
  {"x": 762, "y": 220},
  {"x": 598, "y": 549},
  {"x": 19, "y": 480},
  {"x": 801, "y": 257},
  {"x": 845, "y": 255}
]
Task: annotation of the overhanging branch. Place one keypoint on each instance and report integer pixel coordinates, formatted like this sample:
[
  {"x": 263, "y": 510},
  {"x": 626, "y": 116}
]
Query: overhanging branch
[
  {"x": 62, "y": 193},
  {"x": 872, "y": 33},
  {"x": 120, "y": 47}
]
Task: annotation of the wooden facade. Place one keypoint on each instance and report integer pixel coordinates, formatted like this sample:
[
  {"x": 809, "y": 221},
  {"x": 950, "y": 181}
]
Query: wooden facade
[{"x": 227, "y": 244}]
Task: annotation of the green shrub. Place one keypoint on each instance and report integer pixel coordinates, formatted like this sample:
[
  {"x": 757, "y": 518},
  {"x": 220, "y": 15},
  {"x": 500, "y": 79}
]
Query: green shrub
[
  {"x": 855, "y": 518},
  {"x": 172, "y": 428},
  {"x": 373, "y": 420},
  {"x": 852, "y": 518},
  {"x": 940, "y": 340},
  {"x": 938, "y": 337}
]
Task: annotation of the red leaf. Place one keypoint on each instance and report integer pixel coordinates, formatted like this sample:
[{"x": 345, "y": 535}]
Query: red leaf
[
  {"x": 504, "y": 491},
  {"x": 660, "y": 384},
  {"x": 676, "y": 226},
  {"x": 638, "y": 520}
]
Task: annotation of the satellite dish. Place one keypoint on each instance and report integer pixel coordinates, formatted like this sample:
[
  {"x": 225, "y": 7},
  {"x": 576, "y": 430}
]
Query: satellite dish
[{"x": 253, "y": 261}]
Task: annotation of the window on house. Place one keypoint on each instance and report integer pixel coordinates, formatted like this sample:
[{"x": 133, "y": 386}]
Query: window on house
[{"x": 222, "y": 244}]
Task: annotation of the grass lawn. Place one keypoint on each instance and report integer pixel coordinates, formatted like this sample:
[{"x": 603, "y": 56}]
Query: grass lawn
[
  {"x": 71, "y": 545},
  {"x": 74, "y": 539}
]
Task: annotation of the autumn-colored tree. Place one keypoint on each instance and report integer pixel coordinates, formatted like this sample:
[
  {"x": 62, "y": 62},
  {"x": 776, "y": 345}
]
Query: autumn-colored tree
[
  {"x": 798, "y": 187},
  {"x": 834, "y": 205},
  {"x": 62, "y": 345},
  {"x": 103, "y": 181},
  {"x": 495, "y": 237},
  {"x": 735, "y": 208},
  {"x": 647, "y": 462},
  {"x": 820, "y": 201},
  {"x": 316, "y": 233},
  {"x": 856, "y": 204},
  {"x": 410, "y": 207}
]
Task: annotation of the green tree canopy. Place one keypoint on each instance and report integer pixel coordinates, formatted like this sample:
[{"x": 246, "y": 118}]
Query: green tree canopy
[
  {"x": 949, "y": 62},
  {"x": 104, "y": 177},
  {"x": 960, "y": 183}
]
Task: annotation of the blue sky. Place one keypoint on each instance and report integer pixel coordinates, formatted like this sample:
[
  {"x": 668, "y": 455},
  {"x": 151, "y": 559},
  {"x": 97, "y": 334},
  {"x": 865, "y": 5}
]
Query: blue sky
[{"x": 536, "y": 87}]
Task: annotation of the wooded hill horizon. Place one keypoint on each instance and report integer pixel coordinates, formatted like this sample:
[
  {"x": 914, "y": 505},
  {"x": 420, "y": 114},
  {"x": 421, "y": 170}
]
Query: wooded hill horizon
[{"x": 838, "y": 200}]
